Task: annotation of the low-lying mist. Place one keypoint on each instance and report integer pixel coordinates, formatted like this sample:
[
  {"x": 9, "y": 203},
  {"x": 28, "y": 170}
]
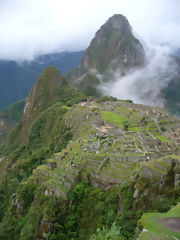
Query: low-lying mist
[{"x": 144, "y": 85}]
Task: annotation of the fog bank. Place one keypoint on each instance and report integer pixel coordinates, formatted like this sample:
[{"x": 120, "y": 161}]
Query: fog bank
[{"x": 144, "y": 85}]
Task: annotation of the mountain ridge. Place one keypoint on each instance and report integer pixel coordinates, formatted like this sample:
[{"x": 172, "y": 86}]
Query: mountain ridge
[{"x": 17, "y": 79}]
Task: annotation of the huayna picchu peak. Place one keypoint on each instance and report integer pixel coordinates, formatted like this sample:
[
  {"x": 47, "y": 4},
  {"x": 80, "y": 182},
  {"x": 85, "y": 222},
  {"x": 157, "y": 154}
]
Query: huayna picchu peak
[
  {"x": 81, "y": 167},
  {"x": 113, "y": 47}
]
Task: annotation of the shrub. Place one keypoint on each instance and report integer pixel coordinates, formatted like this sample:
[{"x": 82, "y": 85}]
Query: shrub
[
  {"x": 126, "y": 125},
  {"x": 163, "y": 129},
  {"x": 106, "y": 234},
  {"x": 107, "y": 98}
]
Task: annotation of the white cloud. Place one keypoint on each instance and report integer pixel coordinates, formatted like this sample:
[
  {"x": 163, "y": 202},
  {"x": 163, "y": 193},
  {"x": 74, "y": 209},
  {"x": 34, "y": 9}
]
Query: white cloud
[
  {"x": 31, "y": 27},
  {"x": 144, "y": 85}
]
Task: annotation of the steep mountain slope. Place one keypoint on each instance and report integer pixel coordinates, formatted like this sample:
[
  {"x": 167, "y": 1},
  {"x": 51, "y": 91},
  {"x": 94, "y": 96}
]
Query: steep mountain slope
[
  {"x": 16, "y": 80},
  {"x": 51, "y": 88},
  {"x": 73, "y": 165},
  {"x": 113, "y": 47}
]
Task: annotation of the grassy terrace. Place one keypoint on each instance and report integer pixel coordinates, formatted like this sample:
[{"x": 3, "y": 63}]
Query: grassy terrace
[
  {"x": 132, "y": 120},
  {"x": 162, "y": 138},
  {"x": 131, "y": 114},
  {"x": 118, "y": 120}
]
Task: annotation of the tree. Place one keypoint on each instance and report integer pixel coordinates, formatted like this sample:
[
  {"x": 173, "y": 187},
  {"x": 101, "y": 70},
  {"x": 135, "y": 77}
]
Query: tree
[{"x": 126, "y": 125}]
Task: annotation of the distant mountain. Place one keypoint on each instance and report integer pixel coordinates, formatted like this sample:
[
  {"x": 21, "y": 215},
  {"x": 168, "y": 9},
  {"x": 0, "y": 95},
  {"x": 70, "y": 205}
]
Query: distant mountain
[
  {"x": 10, "y": 117},
  {"x": 64, "y": 61},
  {"x": 16, "y": 80},
  {"x": 113, "y": 47}
]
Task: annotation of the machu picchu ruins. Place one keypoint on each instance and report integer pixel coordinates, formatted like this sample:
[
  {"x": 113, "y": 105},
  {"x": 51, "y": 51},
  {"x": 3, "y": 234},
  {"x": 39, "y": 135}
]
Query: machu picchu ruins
[
  {"x": 82, "y": 157},
  {"x": 104, "y": 152}
]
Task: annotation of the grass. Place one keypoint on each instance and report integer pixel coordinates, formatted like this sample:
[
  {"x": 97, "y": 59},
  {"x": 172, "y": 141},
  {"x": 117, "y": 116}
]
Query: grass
[
  {"x": 112, "y": 175},
  {"x": 43, "y": 167},
  {"x": 150, "y": 221},
  {"x": 59, "y": 185},
  {"x": 166, "y": 121},
  {"x": 150, "y": 164},
  {"x": 118, "y": 120},
  {"x": 162, "y": 138},
  {"x": 114, "y": 117},
  {"x": 51, "y": 160},
  {"x": 133, "y": 115}
]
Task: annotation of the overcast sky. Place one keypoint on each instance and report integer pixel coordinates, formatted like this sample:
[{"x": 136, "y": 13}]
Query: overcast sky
[{"x": 32, "y": 27}]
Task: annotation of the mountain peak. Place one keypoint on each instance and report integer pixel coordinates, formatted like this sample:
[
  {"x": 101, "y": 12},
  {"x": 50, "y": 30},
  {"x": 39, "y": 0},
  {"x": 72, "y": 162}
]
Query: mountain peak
[
  {"x": 114, "y": 47},
  {"x": 118, "y": 21},
  {"x": 43, "y": 93}
]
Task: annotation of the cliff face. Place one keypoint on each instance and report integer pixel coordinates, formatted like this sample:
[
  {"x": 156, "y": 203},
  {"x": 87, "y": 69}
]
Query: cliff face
[{"x": 113, "y": 47}]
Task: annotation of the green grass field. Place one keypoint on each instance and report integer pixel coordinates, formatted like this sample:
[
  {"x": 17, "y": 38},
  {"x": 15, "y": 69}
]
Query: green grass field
[{"x": 119, "y": 120}]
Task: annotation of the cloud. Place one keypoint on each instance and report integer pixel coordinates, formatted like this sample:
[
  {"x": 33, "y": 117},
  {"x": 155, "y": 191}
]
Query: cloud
[
  {"x": 32, "y": 27},
  {"x": 144, "y": 85}
]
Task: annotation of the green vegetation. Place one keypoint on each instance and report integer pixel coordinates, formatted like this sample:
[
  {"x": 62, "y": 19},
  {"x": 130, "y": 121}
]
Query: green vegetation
[
  {"x": 120, "y": 120},
  {"x": 162, "y": 138},
  {"x": 126, "y": 125},
  {"x": 154, "y": 223},
  {"x": 107, "y": 98},
  {"x": 68, "y": 174},
  {"x": 89, "y": 85},
  {"x": 127, "y": 100},
  {"x": 105, "y": 234},
  {"x": 114, "y": 117},
  {"x": 78, "y": 168},
  {"x": 69, "y": 96}
]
